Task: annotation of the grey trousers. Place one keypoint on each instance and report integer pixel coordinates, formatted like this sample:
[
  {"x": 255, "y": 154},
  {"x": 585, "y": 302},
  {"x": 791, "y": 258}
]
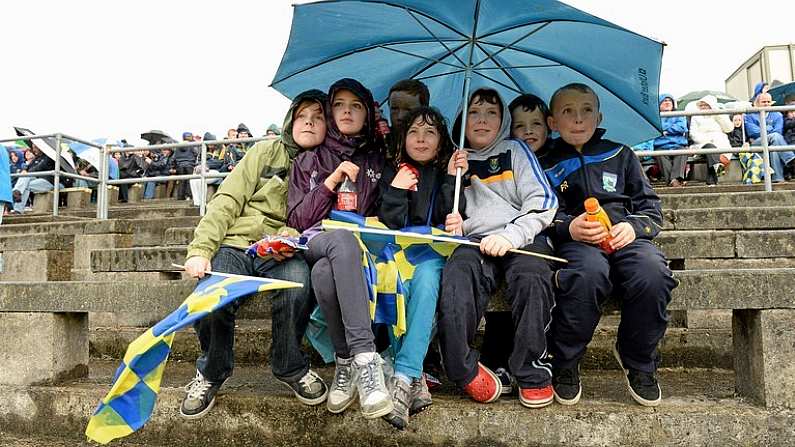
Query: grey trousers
[
  {"x": 672, "y": 167},
  {"x": 341, "y": 291}
]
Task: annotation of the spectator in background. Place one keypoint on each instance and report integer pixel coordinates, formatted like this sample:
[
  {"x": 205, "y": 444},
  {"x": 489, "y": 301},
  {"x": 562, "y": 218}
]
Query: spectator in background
[
  {"x": 26, "y": 185},
  {"x": 131, "y": 165},
  {"x": 184, "y": 160},
  {"x": 672, "y": 167},
  {"x": 215, "y": 164},
  {"x": 160, "y": 166},
  {"x": 750, "y": 162},
  {"x": 6, "y": 197},
  {"x": 789, "y": 121},
  {"x": 774, "y": 123},
  {"x": 273, "y": 131},
  {"x": 29, "y": 157},
  {"x": 404, "y": 97},
  {"x": 16, "y": 163},
  {"x": 243, "y": 132},
  {"x": 231, "y": 134},
  {"x": 709, "y": 132}
]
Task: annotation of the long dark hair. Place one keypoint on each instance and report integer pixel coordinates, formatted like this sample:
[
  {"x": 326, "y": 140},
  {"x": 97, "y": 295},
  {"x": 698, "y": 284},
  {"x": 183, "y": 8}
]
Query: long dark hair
[{"x": 432, "y": 116}]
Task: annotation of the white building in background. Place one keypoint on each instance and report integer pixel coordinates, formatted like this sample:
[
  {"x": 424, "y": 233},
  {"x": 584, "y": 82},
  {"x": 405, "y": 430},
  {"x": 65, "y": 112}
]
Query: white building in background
[{"x": 770, "y": 64}]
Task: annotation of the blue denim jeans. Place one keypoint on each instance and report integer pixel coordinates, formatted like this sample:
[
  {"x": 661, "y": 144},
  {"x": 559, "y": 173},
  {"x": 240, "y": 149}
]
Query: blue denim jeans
[
  {"x": 290, "y": 309},
  {"x": 778, "y": 160},
  {"x": 410, "y": 349},
  {"x": 27, "y": 185}
]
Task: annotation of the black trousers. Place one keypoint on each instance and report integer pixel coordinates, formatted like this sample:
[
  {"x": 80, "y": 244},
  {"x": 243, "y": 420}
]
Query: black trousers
[
  {"x": 468, "y": 281},
  {"x": 638, "y": 274}
]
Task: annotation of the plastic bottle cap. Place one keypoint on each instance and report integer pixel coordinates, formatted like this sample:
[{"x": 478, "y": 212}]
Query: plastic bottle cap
[{"x": 591, "y": 205}]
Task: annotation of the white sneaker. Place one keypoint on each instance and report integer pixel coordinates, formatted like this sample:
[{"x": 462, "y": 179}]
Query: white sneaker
[
  {"x": 343, "y": 391},
  {"x": 374, "y": 398}
]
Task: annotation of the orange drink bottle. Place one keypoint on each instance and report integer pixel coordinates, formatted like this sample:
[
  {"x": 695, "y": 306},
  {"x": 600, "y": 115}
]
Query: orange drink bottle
[{"x": 595, "y": 213}]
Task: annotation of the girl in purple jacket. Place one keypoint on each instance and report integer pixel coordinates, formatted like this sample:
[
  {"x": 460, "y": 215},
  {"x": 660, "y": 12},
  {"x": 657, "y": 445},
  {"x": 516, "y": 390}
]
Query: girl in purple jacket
[{"x": 349, "y": 150}]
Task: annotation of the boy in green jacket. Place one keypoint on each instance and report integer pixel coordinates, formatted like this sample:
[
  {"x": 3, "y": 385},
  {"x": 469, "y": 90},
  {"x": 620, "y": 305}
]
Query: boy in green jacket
[{"x": 249, "y": 204}]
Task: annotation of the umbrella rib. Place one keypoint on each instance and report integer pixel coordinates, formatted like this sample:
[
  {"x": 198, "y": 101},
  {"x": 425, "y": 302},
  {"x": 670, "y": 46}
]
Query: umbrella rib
[
  {"x": 589, "y": 77},
  {"x": 499, "y": 82},
  {"x": 434, "y": 60},
  {"x": 514, "y": 67},
  {"x": 411, "y": 13},
  {"x": 499, "y": 66},
  {"x": 491, "y": 56},
  {"x": 345, "y": 54}
]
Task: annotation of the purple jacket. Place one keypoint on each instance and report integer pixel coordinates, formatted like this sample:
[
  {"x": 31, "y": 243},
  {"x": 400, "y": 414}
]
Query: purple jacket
[{"x": 309, "y": 201}]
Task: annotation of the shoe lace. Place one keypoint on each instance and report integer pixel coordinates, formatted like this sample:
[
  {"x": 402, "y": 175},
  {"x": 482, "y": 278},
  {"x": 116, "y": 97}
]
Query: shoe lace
[
  {"x": 309, "y": 378},
  {"x": 197, "y": 387},
  {"x": 369, "y": 380},
  {"x": 342, "y": 377}
]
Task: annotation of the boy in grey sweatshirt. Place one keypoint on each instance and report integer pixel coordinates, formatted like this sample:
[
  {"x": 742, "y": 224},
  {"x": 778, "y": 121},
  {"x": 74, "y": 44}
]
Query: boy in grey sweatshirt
[{"x": 508, "y": 204}]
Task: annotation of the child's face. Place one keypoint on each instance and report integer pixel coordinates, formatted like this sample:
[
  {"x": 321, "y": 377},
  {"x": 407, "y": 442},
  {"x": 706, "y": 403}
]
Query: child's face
[
  {"x": 400, "y": 105},
  {"x": 483, "y": 123},
  {"x": 666, "y": 105},
  {"x": 349, "y": 112},
  {"x": 309, "y": 125},
  {"x": 529, "y": 126},
  {"x": 737, "y": 120},
  {"x": 422, "y": 141},
  {"x": 575, "y": 116}
]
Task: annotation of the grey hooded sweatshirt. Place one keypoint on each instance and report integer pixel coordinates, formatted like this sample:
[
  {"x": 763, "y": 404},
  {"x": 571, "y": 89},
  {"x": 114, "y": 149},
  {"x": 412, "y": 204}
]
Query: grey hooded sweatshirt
[{"x": 506, "y": 190}]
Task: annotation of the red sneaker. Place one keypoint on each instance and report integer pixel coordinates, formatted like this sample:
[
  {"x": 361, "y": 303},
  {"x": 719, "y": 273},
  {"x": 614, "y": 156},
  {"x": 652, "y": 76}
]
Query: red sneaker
[
  {"x": 536, "y": 397},
  {"x": 485, "y": 387}
]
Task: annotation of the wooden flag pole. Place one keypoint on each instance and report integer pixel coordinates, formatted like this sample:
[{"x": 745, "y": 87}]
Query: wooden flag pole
[
  {"x": 254, "y": 278},
  {"x": 430, "y": 237}
]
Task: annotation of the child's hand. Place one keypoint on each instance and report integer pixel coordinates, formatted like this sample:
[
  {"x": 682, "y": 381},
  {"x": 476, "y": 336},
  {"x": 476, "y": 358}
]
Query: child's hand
[
  {"x": 286, "y": 253},
  {"x": 623, "y": 235},
  {"x": 589, "y": 232},
  {"x": 495, "y": 245},
  {"x": 458, "y": 160},
  {"x": 405, "y": 179},
  {"x": 345, "y": 168},
  {"x": 196, "y": 266},
  {"x": 454, "y": 224}
]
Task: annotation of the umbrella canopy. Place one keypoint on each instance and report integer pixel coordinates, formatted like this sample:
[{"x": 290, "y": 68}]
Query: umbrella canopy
[
  {"x": 782, "y": 92},
  {"x": 94, "y": 156},
  {"x": 723, "y": 98},
  {"x": 48, "y": 147},
  {"x": 157, "y": 137},
  {"x": 514, "y": 46}
]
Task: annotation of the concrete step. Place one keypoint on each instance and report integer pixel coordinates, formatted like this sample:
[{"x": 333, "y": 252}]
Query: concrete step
[
  {"x": 701, "y": 244},
  {"x": 178, "y": 236},
  {"x": 146, "y": 211},
  {"x": 696, "y": 188},
  {"x": 681, "y": 347},
  {"x": 741, "y": 199},
  {"x": 699, "y": 408},
  {"x": 756, "y": 218}
]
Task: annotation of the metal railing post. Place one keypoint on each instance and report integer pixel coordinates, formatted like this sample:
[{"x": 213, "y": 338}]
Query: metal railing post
[
  {"x": 203, "y": 187},
  {"x": 56, "y": 184},
  {"x": 765, "y": 150},
  {"x": 102, "y": 168},
  {"x": 102, "y": 201}
]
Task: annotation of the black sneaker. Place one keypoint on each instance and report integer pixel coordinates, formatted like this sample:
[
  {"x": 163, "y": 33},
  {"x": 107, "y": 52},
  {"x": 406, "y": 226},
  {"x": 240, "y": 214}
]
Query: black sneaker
[
  {"x": 506, "y": 381},
  {"x": 400, "y": 392},
  {"x": 309, "y": 389},
  {"x": 643, "y": 386},
  {"x": 200, "y": 397},
  {"x": 566, "y": 385}
]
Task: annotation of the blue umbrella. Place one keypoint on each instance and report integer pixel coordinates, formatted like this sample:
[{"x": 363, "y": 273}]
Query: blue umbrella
[{"x": 514, "y": 46}]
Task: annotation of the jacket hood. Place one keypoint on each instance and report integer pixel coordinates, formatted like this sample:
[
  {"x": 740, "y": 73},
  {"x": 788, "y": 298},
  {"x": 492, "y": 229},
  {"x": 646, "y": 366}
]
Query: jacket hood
[
  {"x": 287, "y": 130},
  {"x": 503, "y": 133},
  {"x": 711, "y": 100},
  {"x": 758, "y": 89},
  {"x": 667, "y": 95},
  {"x": 333, "y": 135}
]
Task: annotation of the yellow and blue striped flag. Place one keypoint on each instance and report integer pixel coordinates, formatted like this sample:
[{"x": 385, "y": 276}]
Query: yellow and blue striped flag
[
  {"x": 131, "y": 399},
  {"x": 389, "y": 261}
]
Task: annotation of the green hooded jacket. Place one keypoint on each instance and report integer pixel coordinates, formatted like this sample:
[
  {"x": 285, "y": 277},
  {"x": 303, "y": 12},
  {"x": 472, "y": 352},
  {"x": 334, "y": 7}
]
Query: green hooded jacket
[{"x": 252, "y": 201}]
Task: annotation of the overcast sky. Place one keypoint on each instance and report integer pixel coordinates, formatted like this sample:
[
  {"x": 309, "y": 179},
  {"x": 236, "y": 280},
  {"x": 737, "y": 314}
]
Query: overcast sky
[{"x": 118, "y": 68}]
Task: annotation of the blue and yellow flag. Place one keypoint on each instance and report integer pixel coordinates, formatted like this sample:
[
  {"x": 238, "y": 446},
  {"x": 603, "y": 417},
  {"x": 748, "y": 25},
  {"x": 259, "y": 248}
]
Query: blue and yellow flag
[
  {"x": 389, "y": 261},
  {"x": 131, "y": 400}
]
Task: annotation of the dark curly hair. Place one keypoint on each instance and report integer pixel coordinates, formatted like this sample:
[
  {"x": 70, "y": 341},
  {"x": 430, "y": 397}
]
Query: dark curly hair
[{"x": 432, "y": 116}]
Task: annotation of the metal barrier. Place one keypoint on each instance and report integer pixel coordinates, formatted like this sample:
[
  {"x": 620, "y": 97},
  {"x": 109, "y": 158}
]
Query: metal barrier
[
  {"x": 765, "y": 148},
  {"x": 103, "y": 180}
]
